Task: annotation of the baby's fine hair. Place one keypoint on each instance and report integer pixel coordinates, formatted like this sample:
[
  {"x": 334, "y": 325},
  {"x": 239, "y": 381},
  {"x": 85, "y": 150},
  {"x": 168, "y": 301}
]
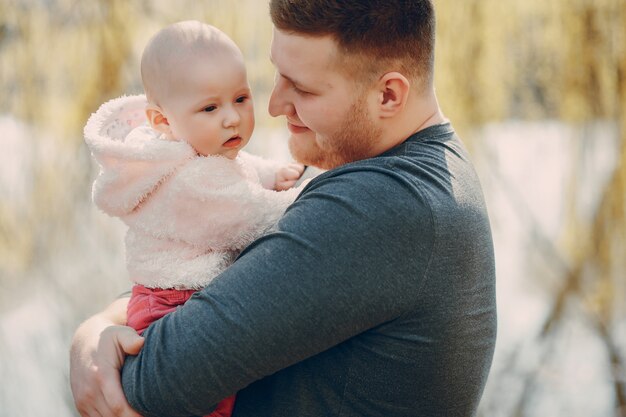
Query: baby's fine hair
[{"x": 176, "y": 44}]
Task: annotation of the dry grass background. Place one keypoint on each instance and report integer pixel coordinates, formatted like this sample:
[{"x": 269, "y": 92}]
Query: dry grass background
[{"x": 538, "y": 87}]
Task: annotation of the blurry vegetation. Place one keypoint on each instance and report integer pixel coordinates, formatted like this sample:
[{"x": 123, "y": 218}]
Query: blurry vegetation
[
  {"x": 496, "y": 60},
  {"x": 566, "y": 60},
  {"x": 563, "y": 59}
]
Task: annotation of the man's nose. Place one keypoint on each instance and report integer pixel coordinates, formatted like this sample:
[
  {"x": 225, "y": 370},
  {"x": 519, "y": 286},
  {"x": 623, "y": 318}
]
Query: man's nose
[{"x": 279, "y": 104}]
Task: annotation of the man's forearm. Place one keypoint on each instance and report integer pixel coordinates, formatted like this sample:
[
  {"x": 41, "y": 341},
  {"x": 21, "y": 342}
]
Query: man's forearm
[{"x": 96, "y": 356}]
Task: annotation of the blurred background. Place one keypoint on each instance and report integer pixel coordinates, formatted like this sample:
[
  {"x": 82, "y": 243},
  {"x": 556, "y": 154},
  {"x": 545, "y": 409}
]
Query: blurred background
[{"x": 537, "y": 90}]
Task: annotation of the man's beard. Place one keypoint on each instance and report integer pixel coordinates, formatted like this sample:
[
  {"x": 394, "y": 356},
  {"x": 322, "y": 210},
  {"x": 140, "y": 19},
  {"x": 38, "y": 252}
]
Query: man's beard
[{"x": 353, "y": 141}]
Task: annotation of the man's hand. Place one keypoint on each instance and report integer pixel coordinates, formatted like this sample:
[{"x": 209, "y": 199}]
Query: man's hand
[
  {"x": 97, "y": 354},
  {"x": 287, "y": 176}
]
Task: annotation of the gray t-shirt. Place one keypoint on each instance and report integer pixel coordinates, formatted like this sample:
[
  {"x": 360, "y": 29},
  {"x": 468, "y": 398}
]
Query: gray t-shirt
[{"x": 373, "y": 296}]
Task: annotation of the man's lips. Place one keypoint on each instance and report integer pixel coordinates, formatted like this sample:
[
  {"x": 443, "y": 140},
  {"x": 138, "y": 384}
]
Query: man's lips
[
  {"x": 233, "y": 142},
  {"x": 295, "y": 128}
]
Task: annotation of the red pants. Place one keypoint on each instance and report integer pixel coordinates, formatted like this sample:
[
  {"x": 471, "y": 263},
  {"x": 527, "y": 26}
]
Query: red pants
[{"x": 147, "y": 305}]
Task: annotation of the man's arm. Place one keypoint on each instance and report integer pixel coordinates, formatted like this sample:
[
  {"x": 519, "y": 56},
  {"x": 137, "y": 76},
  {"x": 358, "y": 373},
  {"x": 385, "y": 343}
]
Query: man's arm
[
  {"x": 315, "y": 282},
  {"x": 96, "y": 357}
]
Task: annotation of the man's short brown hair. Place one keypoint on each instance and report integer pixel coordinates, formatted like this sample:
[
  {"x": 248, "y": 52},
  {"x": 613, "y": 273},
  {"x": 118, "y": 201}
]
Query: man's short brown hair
[{"x": 373, "y": 35}]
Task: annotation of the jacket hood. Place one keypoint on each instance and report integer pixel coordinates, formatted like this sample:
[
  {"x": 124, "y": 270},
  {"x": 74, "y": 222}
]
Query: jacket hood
[{"x": 133, "y": 158}]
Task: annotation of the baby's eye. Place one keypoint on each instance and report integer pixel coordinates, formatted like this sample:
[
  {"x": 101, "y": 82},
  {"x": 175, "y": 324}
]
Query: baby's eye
[
  {"x": 209, "y": 108},
  {"x": 241, "y": 99}
]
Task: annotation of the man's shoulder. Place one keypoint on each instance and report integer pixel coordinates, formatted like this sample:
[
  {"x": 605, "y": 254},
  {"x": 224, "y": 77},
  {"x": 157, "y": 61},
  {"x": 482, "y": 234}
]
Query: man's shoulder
[
  {"x": 406, "y": 170},
  {"x": 364, "y": 191},
  {"x": 361, "y": 178}
]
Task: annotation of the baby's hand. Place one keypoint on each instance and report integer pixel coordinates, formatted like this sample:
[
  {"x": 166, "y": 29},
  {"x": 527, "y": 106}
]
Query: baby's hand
[{"x": 287, "y": 176}]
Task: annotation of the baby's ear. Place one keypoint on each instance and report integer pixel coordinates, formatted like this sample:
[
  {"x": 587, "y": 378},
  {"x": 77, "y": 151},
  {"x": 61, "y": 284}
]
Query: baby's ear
[{"x": 157, "y": 119}]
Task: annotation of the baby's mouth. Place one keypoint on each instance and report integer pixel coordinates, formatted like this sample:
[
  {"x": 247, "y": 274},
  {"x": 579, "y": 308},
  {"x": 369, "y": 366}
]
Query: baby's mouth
[{"x": 233, "y": 142}]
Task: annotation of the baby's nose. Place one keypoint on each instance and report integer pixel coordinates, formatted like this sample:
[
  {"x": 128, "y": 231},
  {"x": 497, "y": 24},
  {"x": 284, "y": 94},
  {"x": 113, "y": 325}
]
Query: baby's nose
[{"x": 231, "y": 118}]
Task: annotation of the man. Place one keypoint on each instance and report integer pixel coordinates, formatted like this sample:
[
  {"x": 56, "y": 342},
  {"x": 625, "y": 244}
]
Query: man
[{"x": 374, "y": 296}]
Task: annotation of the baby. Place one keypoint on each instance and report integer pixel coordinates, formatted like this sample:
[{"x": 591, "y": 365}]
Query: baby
[{"x": 172, "y": 168}]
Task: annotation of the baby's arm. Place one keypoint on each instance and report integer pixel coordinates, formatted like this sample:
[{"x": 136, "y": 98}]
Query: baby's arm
[
  {"x": 288, "y": 175},
  {"x": 219, "y": 207},
  {"x": 274, "y": 175}
]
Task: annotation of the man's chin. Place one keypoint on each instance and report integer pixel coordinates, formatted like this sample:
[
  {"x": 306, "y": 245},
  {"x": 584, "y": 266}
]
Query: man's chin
[
  {"x": 314, "y": 159},
  {"x": 305, "y": 151}
]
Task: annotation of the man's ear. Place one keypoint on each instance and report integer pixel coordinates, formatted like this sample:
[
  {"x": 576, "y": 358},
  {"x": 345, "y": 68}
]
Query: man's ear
[
  {"x": 157, "y": 119},
  {"x": 393, "y": 93}
]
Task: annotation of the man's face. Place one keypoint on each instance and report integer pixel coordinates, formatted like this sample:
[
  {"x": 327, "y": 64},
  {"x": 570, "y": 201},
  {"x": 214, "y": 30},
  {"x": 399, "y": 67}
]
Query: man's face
[{"x": 327, "y": 112}]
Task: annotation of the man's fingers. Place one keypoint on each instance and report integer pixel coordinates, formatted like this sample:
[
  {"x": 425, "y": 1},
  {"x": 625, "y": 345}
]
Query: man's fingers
[
  {"x": 94, "y": 350},
  {"x": 99, "y": 409},
  {"x": 130, "y": 342},
  {"x": 84, "y": 403},
  {"x": 88, "y": 404},
  {"x": 113, "y": 345},
  {"x": 87, "y": 395},
  {"x": 114, "y": 395}
]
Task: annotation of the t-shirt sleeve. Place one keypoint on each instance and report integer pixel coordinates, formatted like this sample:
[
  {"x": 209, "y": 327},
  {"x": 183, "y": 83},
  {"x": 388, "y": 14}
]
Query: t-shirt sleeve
[{"x": 329, "y": 271}]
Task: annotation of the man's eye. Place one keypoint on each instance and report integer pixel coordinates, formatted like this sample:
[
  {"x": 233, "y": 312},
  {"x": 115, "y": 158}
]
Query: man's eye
[
  {"x": 300, "y": 92},
  {"x": 209, "y": 108}
]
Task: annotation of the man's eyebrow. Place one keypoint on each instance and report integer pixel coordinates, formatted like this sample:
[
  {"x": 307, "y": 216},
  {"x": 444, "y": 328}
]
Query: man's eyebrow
[
  {"x": 292, "y": 81},
  {"x": 288, "y": 78}
]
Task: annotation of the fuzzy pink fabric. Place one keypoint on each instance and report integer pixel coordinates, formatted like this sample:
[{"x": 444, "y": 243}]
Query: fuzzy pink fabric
[{"x": 188, "y": 215}]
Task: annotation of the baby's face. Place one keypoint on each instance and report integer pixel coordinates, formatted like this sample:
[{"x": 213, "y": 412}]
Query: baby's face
[{"x": 211, "y": 106}]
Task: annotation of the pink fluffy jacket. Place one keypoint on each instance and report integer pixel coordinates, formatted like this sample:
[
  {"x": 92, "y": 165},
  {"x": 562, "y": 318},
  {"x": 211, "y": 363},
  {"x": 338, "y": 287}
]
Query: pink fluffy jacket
[{"x": 188, "y": 216}]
